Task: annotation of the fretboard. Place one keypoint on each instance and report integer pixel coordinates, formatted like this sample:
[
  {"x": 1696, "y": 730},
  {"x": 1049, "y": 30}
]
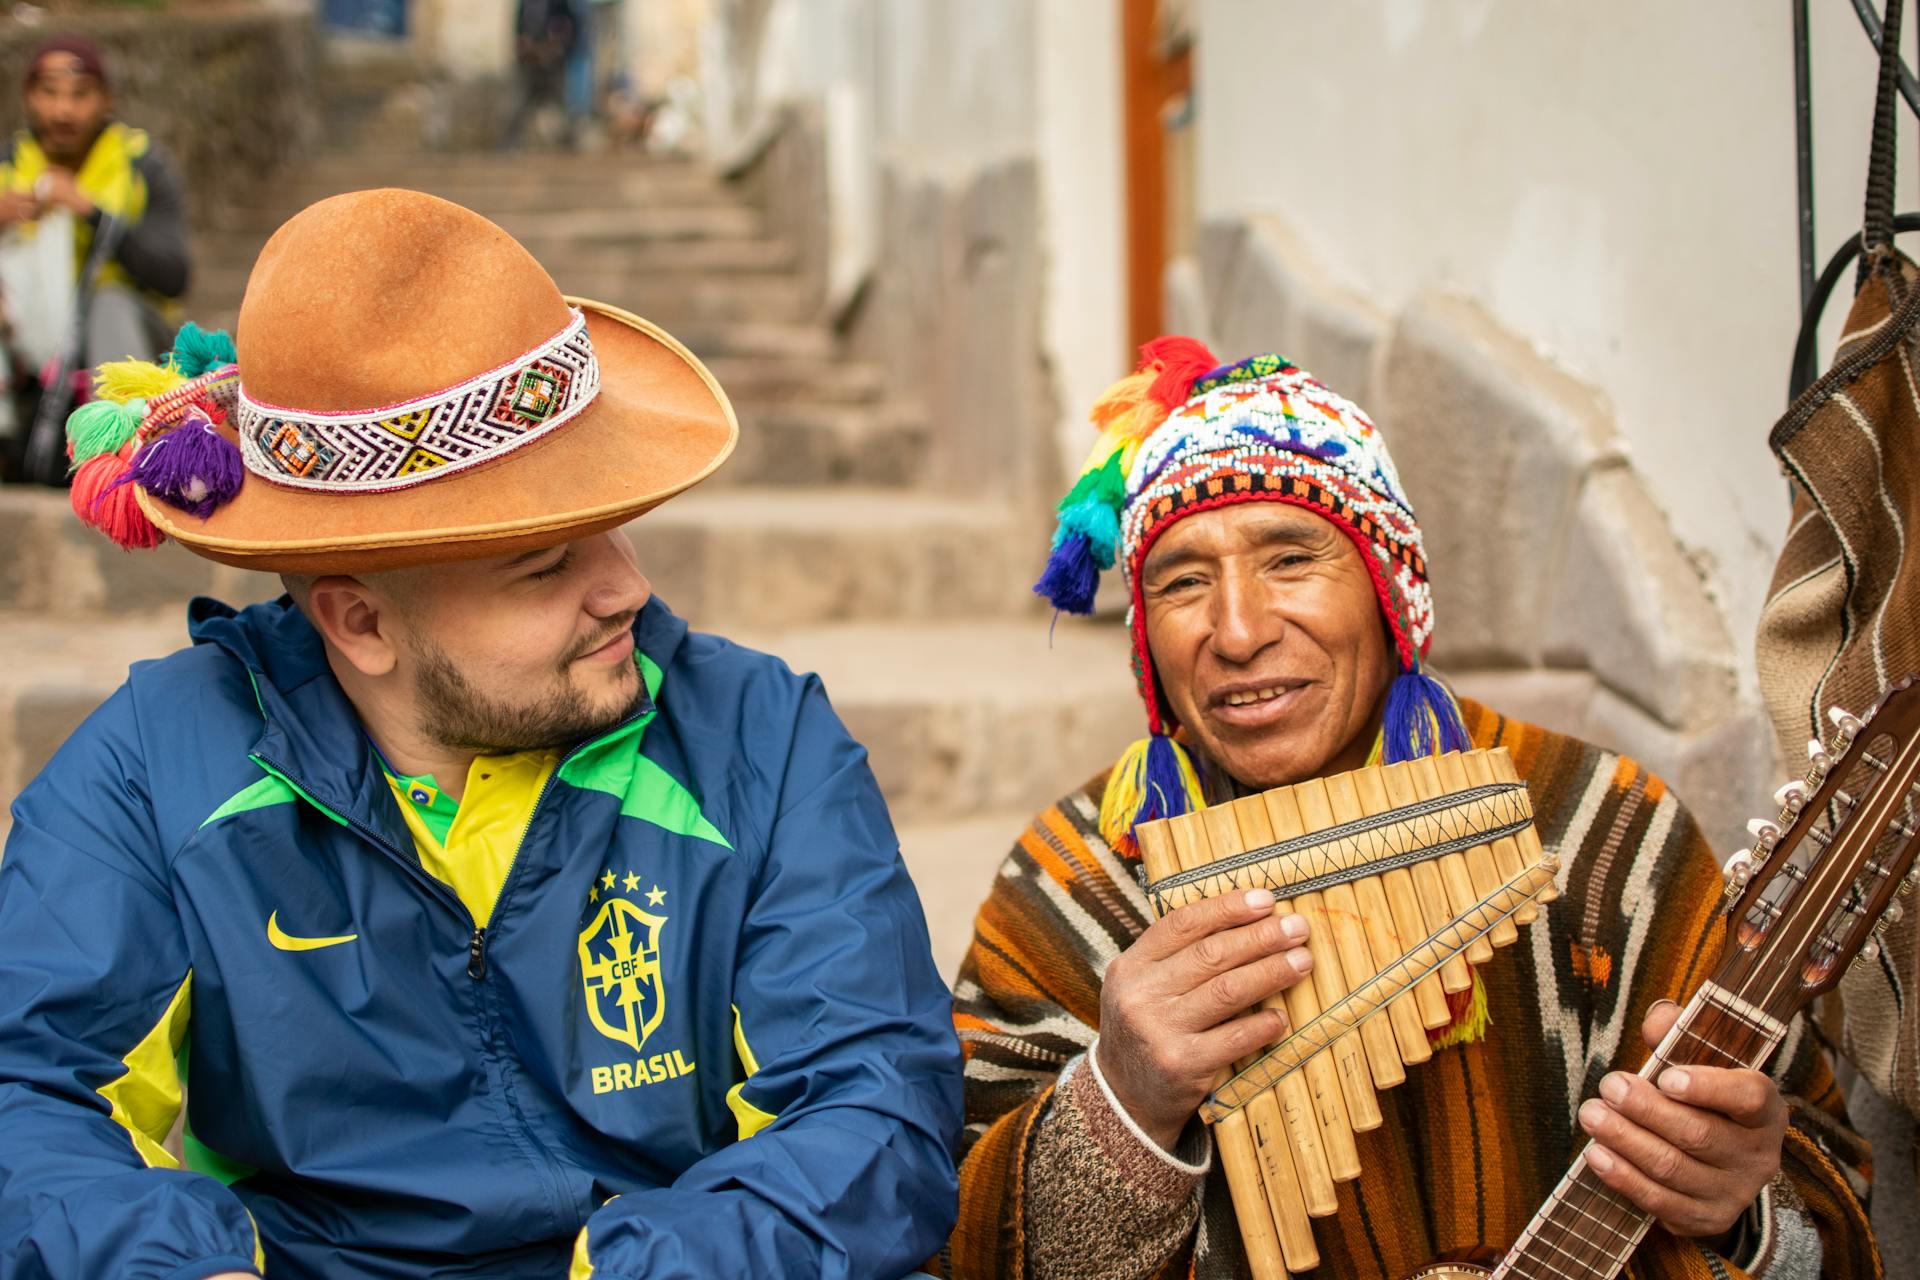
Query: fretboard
[{"x": 1586, "y": 1230}]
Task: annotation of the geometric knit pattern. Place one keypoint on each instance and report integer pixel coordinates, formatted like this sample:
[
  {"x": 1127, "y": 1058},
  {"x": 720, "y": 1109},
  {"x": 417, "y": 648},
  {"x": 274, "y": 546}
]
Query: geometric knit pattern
[
  {"x": 1475, "y": 1139},
  {"x": 1264, "y": 429},
  {"x": 398, "y": 445}
]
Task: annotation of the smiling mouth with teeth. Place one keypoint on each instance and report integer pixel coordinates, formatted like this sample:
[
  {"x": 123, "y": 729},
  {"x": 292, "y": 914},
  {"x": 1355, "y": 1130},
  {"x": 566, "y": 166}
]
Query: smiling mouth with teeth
[{"x": 1257, "y": 695}]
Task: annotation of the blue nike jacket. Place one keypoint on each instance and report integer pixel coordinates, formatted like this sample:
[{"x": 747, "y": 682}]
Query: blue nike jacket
[{"x": 702, "y": 1035}]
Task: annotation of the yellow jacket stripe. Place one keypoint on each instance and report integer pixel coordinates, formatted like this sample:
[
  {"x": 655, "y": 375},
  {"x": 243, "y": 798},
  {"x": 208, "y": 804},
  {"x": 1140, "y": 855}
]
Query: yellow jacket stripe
[{"x": 146, "y": 1100}]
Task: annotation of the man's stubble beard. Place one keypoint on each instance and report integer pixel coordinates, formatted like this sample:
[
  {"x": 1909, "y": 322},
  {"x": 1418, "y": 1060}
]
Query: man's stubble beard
[{"x": 458, "y": 715}]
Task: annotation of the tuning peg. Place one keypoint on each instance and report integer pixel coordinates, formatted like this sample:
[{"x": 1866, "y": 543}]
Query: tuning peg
[
  {"x": 1791, "y": 797},
  {"x": 1869, "y": 950},
  {"x": 1739, "y": 869},
  {"x": 1765, "y": 835},
  {"x": 1818, "y": 762},
  {"x": 1845, "y": 724},
  {"x": 1891, "y": 916},
  {"x": 1906, "y": 885}
]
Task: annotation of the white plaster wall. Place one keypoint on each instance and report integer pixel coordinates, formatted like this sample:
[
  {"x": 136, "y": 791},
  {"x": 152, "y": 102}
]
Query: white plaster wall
[
  {"x": 1083, "y": 207},
  {"x": 1615, "y": 183}
]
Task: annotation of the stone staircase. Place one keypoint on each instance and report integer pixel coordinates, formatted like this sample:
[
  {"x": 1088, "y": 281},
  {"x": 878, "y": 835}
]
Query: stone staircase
[{"x": 824, "y": 540}]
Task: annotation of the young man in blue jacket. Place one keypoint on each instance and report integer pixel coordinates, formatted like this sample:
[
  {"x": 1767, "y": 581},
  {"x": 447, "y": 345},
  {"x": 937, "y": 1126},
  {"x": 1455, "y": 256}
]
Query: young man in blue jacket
[{"x": 504, "y": 926}]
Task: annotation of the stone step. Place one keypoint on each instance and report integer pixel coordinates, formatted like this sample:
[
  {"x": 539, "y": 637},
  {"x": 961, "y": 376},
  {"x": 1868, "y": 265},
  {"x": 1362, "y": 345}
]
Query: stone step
[
  {"x": 766, "y": 557},
  {"x": 553, "y": 221},
  {"x": 57, "y": 568},
  {"x": 592, "y": 270},
  {"x": 800, "y": 444},
  {"x": 966, "y": 718},
  {"x": 780, "y": 378},
  {"x": 953, "y": 865},
  {"x": 676, "y": 302}
]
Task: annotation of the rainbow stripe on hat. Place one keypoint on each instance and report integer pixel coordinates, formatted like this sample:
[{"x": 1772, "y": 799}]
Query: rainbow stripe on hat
[{"x": 1185, "y": 434}]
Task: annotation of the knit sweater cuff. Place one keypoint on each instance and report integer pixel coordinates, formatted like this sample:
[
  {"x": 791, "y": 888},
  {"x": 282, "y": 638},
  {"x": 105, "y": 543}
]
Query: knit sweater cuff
[
  {"x": 1173, "y": 1173},
  {"x": 1776, "y": 1239},
  {"x": 1101, "y": 1197}
]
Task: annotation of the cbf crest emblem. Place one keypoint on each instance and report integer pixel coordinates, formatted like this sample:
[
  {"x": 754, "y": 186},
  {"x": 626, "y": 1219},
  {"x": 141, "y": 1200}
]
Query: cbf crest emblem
[{"x": 620, "y": 969}]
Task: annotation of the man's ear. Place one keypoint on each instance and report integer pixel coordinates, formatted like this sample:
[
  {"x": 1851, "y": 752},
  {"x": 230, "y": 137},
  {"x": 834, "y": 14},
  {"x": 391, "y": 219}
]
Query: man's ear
[{"x": 355, "y": 621}]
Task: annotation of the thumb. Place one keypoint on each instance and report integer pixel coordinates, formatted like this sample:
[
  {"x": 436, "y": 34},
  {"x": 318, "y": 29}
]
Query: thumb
[{"x": 1660, "y": 1020}]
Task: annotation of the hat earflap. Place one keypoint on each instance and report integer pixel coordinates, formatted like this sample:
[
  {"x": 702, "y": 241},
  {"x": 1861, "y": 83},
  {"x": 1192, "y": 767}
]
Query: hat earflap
[
  {"x": 1086, "y": 536},
  {"x": 1153, "y": 779}
]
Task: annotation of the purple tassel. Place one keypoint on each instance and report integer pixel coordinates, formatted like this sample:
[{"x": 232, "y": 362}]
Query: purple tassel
[
  {"x": 192, "y": 467},
  {"x": 1417, "y": 705},
  {"x": 1164, "y": 790},
  {"x": 1071, "y": 576}
]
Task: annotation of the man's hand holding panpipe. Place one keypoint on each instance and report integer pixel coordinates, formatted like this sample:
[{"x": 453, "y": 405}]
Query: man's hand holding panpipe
[{"x": 1174, "y": 1009}]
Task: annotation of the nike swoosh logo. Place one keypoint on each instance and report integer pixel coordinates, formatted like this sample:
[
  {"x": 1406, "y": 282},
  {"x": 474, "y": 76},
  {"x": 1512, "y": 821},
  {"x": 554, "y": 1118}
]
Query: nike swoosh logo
[{"x": 287, "y": 942}]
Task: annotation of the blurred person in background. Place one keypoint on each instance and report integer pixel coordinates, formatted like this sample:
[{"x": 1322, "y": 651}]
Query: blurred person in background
[
  {"x": 545, "y": 33},
  {"x": 93, "y": 229}
]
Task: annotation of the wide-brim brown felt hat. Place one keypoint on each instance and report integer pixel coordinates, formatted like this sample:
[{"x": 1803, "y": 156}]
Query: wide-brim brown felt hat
[{"x": 415, "y": 389}]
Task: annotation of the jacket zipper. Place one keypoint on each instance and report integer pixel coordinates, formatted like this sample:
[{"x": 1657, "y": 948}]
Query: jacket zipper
[{"x": 477, "y": 944}]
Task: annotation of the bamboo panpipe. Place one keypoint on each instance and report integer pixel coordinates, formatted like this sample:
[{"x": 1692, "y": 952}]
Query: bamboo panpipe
[{"x": 1405, "y": 873}]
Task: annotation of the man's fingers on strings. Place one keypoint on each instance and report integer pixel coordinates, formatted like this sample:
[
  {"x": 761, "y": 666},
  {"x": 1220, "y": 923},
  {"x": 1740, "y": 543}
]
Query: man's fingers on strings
[
  {"x": 1690, "y": 1129},
  {"x": 1653, "y": 1156},
  {"x": 1679, "y": 1213},
  {"x": 1748, "y": 1098}
]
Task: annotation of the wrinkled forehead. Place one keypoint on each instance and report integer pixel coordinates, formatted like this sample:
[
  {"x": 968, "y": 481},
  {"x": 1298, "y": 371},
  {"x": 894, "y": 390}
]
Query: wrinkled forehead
[{"x": 1238, "y": 528}]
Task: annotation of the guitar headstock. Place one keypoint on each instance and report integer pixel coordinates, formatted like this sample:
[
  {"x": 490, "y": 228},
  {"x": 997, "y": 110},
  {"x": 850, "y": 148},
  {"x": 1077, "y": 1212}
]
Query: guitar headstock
[{"x": 1819, "y": 883}]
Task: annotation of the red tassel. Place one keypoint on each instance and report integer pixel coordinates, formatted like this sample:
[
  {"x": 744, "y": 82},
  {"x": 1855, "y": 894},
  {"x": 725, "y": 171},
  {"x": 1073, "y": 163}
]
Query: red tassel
[
  {"x": 103, "y": 498},
  {"x": 1177, "y": 363}
]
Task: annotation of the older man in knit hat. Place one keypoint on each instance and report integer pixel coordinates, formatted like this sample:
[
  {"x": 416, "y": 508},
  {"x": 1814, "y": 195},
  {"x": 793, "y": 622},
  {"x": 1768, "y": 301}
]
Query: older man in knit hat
[{"x": 1281, "y": 618}]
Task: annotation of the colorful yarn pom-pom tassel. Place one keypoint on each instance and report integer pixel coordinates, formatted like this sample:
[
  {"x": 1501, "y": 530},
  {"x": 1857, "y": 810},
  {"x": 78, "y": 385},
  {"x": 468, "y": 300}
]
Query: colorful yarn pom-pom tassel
[
  {"x": 103, "y": 498},
  {"x": 101, "y": 426},
  {"x": 192, "y": 467},
  {"x": 1154, "y": 778},
  {"x": 125, "y": 380},
  {"x": 197, "y": 350},
  {"x": 1421, "y": 719}
]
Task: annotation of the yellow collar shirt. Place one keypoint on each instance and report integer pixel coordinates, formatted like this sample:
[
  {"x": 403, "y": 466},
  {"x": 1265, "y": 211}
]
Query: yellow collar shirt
[{"x": 469, "y": 844}]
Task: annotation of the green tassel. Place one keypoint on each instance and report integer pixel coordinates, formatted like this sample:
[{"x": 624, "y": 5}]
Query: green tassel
[{"x": 102, "y": 426}]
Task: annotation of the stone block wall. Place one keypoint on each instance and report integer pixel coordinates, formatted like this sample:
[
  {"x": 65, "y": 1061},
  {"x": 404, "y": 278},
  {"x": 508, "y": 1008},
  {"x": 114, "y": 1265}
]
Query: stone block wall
[
  {"x": 1560, "y": 592},
  {"x": 232, "y": 92},
  {"x": 951, "y": 309}
]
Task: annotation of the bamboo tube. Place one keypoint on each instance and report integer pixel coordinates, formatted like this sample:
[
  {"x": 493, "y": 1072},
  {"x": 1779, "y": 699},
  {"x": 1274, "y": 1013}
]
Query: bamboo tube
[
  {"x": 1507, "y": 859},
  {"x": 1436, "y": 905},
  {"x": 1359, "y": 795},
  {"x": 1529, "y": 840},
  {"x": 1349, "y": 1057},
  {"x": 1232, "y": 1135},
  {"x": 1338, "y": 1154},
  {"x": 1454, "y": 872},
  {"x": 1279, "y": 1163},
  {"x": 1480, "y": 865}
]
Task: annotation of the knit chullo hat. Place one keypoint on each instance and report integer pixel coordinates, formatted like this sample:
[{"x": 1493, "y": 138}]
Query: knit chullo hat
[{"x": 1185, "y": 434}]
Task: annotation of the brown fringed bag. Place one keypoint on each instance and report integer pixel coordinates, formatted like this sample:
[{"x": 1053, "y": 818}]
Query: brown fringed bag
[{"x": 1842, "y": 617}]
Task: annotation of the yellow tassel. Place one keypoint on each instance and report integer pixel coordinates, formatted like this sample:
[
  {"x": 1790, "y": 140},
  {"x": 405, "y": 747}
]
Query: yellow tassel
[
  {"x": 1472, "y": 1023},
  {"x": 1126, "y": 788},
  {"x": 124, "y": 380}
]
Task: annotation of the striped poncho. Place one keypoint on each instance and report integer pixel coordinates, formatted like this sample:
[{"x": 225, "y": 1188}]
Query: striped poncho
[{"x": 1473, "y": 1141}]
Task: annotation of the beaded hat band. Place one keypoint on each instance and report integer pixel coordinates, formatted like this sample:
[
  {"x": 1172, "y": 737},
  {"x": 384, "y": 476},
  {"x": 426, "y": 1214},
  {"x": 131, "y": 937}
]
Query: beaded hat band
[{"x": 398, "y": 445}]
